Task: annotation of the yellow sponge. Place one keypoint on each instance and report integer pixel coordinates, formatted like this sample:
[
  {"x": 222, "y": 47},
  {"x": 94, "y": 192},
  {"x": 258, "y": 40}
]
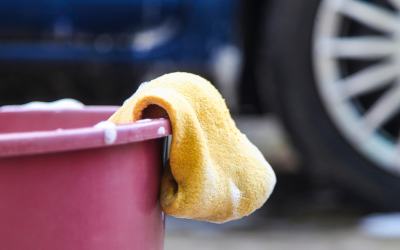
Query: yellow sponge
[{"x": 215, "y": 173}]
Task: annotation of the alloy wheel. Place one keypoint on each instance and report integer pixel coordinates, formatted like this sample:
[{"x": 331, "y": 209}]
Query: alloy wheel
[{"x": 356, "y": 60}]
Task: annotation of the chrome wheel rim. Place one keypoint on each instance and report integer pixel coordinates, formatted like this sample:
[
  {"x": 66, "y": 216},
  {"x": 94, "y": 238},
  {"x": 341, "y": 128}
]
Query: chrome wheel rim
[{"x": 366, "y": 127}]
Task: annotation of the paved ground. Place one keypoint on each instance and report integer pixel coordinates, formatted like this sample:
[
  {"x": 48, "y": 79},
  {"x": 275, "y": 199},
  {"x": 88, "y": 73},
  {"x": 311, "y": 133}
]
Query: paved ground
[
  {"x": 345, "y": 239},
  {"x": 307, "y": 235}
]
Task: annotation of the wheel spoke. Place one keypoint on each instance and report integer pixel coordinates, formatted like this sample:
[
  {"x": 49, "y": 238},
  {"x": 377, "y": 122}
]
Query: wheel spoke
[
  {"x": 386, "y": 106},
  {"x": 369, "y": 79},
  {"x": 335, "y": 41},
  {"x": 396, "y": 161},
  {"x": 368, "y": 14},
  {"x": 371, "y": 47},
  {"x": 395, "y": 3}
]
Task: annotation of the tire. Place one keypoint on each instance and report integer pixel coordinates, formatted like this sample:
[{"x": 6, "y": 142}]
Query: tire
[{"x": 289, "y": 77}]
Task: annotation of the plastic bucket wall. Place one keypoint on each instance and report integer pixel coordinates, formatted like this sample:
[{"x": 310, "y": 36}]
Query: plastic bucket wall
[{"x": 70, "y": 189}]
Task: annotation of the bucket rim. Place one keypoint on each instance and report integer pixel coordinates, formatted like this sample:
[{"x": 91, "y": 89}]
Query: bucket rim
[{"x": 60, "y": 140}]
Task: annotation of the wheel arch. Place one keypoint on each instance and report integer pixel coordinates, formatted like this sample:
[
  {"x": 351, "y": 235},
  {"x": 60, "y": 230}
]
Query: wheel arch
[{"x": 252, "y": 16}]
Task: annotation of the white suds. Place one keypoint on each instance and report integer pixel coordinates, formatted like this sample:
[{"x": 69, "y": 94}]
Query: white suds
[
  {"x": 210, "y": 194},
  {"x": 56, "y": 105},
  {"x": 144, "y": 120},
  {"x": 128, "y": 99},
  {"x": 236, "y": 196},
  {"x": 140, "y": 87},
  {"x": 110, "y": 132},
  {"x": 161, "y": 131}
]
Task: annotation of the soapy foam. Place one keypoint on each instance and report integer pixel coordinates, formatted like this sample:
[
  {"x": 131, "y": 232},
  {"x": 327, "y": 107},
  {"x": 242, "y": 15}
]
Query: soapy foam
[
  {"x": 63, "y": 104},
  {"x": 110, "y": 132},
  {"x": 210, "y": 181},
  {"x": 140, "y": 87},
  {"x": 236, "y": 196},
  {"x": 161, "y": 131},
  {"x": 144, "y": 120},
  {"x": 127, "y": 99}
]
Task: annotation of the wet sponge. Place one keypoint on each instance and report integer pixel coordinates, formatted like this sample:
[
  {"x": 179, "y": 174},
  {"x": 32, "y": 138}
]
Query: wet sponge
[{"x": 215, "y": 173}]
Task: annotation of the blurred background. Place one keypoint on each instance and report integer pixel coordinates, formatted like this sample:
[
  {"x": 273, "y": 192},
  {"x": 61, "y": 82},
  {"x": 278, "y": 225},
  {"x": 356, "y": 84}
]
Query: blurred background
[{"x": 313, "y": 83}]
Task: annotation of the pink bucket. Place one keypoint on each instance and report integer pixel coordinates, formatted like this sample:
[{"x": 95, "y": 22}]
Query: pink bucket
[{"x": 65, "y": 185}]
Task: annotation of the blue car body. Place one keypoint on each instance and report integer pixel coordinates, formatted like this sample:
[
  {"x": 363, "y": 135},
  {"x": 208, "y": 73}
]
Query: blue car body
[{"x": 183, "y": 31}]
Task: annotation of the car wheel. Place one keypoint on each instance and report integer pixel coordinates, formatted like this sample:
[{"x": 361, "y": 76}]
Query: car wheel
[{"x": 332, "y": 69}]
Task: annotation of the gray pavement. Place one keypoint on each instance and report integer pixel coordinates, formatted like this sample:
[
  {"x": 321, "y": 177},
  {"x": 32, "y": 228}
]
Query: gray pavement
[
  {"x": 343, "y": 239},
  {"x": 285, "y": 235}
]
